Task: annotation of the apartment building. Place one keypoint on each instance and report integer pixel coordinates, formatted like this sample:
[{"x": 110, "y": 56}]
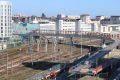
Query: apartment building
[
  {"x": 5, "y": 22},
  {"x": 5, "y": 19}
]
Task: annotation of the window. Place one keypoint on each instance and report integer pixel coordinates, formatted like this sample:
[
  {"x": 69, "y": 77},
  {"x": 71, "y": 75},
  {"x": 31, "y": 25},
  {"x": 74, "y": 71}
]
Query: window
[
  {"x": 5, "y": 17},
  {"x": 5, "y": 20},
  {"x": 1, "y": 17},
  {"x": 1, "y": 6},
  {"x": 5, "y": 24},
  {"x": 103, "y": 29},
  {"x": 5, "y": 6},
  {"x": 115, "y": 28},
  {"x": 1, "y": 34},
  {"x": 1, "y": 28},
  {"x": 109, "y": 29},
  {"x": 1, "y": 31},
  {"x": 5, "y": 31},
  {"x": 1, "y": 24}
]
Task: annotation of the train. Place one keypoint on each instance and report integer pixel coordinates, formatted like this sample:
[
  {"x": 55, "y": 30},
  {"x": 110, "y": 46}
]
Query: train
[{"x": 54, "y": 73}]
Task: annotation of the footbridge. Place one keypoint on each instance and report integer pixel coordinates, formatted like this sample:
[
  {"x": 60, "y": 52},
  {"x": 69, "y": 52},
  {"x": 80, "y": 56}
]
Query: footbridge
[{"x": 84, "y": 34}]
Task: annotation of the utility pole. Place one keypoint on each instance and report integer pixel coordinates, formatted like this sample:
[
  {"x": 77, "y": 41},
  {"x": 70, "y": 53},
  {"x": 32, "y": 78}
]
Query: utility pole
[
  {"x": 46, "y": 45},
  {"x": 11, "y": 67},
  {"x": 20, "y": 55},
  {"x": 2, "y": 43},
  {"x": 71, "y": 46},
  {"x": 96, "y": 68},
  {"x": 1, "y": 61},
  {"x": 52, "y": 48},
  {"x": 7, "y": 64},
  {"x": 81, "y": 41},
  {"x": 31, "y": 48},
  {"x": 38, "y": 45},
  {"x": 40, "y": 39},
  {"x": 55, "y": 45},
  {"x": 90, "y": 49}
]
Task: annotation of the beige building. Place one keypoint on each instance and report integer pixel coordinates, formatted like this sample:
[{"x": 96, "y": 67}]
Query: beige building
[{"x": 110, "y": 28}]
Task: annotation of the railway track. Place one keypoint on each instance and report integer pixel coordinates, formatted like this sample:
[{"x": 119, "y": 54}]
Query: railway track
[
  {"x": 14, "y": 63},
  {"x": 15, "y": 60}
]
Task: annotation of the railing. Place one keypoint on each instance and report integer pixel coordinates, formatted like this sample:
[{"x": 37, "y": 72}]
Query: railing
[{"x": 77, "y": 33}]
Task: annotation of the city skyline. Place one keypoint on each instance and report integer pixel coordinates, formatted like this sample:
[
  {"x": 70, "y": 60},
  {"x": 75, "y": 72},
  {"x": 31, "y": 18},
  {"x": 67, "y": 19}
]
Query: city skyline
[{"x": 52, "y": 8}]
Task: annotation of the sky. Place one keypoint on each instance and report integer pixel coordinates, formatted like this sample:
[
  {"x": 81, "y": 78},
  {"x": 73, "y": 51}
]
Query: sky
[{"x": 67, "y": 7}]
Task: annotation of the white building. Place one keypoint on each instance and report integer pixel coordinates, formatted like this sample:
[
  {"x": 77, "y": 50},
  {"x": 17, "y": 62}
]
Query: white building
[
  {"x": 110, "y": 25},
  {"x": 65, "y": 25},
  {"x": 47, "y": 25},
  {"x": 35, "y": 21},
  {"x": 110, "y": 28},
  {"x": 5, "y": 19},
  {"x": 5, "y": 22},
  {"x": 85, "y": 27},
  {"x": 95, "y": 26},
  {"x": 86, "y": 18}
]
